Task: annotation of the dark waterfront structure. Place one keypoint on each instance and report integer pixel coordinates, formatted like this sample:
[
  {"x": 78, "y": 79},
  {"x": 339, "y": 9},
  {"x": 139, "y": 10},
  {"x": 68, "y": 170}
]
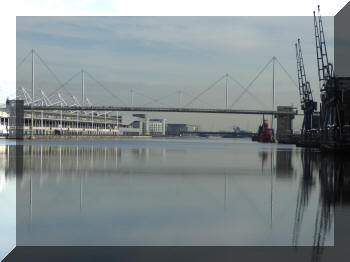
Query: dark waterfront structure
[
  {"x": 330, "y": 128},
  {"x": 335, "y": 114},
  {"x": 285, "y": 124},
  {"x": 16, "y": 118},
  {"x": 308, "y": 105},
  {"x": 333, "y": 173},
  {"x": 180, "y": 129}
]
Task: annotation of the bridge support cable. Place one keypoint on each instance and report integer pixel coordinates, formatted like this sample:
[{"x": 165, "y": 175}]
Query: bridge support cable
[
  {"x": 180, "y": 98},
  {"x": 105, "y": 88},
  {"x": 23, "y": 60},
  {"x": 248, "y": 92},
  {"x": 180, "y": 92},
  {"x": 51, "y": 71},
  {"x": 286, "y": 72},
  {"x": 161, "y": 98},
  {"x": 251, "y": 83},
  {"x": 63, "y": 85},
  {"x": 192, "y": 96},
  {"x": 48, "y": 68},
  {"x": 204, "y": 91},
  {"x": 148, "y": 97}
]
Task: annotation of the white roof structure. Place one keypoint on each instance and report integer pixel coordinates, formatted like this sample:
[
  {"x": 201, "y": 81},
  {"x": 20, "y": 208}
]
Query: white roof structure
[
  {"x": 127, "y": 120},
  {"x": 4, "y": 114}
]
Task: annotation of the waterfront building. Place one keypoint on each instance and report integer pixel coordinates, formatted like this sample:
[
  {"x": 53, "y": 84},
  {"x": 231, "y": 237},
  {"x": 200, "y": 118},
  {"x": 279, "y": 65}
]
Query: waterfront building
[
  {"x": 78, "y": 123},
  {"x": 157, "y": 127},
  {"x": 153, "y": 127},
  {"x": 179, "y": 129},
  {"x": 67, "y": 123},
  {"x": 4, "y": 118},
  {"x": 71, "y": 123}
]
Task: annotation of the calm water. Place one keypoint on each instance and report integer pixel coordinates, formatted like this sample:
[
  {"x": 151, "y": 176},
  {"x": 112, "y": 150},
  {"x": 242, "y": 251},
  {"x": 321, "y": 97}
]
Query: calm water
[{"x": 169, "y": 192}]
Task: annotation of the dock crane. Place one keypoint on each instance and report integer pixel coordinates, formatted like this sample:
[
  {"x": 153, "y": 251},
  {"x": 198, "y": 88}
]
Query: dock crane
[
  {"x": 308, "y": 105},
  {"x": 330, "y": 118}
]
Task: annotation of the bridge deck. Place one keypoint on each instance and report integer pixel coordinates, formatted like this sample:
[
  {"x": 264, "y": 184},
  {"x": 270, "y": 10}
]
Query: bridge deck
[{"x": 161, "y": 109}]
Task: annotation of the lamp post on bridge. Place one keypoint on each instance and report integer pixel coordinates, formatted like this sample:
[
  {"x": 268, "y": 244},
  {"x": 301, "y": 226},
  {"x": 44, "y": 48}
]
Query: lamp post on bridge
[
  {"x": 132, "y": 97},
  {"x": 180, "y": 97},
  {"x": 273, "y": 91},
  {"x": 82, "y": 88},
  {"x": 33, "y": 86},
  {"x": 226, "y": 90}
]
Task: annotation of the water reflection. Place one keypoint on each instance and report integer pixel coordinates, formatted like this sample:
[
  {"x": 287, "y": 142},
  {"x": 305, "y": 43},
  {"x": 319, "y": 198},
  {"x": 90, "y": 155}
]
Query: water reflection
[
  {"x": 331, "y": 173},
  {"x": 7, "y": 204},
  {"x": 159, "y": 195},
  {"x": 284, "y": 166},
  {"x": 335, "y": 184}
]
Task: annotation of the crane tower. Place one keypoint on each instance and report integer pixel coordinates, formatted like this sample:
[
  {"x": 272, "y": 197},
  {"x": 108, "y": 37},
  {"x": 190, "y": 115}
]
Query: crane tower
[{"x": 308, "y": 105}]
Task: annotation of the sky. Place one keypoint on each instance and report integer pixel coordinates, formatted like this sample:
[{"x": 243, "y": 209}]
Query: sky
[
  {"x": 217, "y": 63},
  {"x": 162, "y": 56}
]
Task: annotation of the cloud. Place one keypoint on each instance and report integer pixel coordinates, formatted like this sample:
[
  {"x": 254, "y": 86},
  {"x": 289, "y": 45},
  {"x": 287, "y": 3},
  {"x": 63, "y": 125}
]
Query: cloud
[
  {"x": 159, "y": 55},
  {"x": 7, "y": 90},
  {"x": 226, "y": 34}
]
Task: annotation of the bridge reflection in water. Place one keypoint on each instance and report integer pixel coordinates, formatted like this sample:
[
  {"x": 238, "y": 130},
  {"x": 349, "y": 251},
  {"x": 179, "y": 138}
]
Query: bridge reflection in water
[{"x": 99, "y": 194}]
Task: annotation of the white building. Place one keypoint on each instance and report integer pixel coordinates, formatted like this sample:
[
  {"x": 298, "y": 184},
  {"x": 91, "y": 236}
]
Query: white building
[
  {"x": 157, "y": 127},
  {"x": 4, "y": 123}
]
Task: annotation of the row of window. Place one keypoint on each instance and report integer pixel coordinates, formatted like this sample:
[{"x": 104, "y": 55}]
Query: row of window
[
  {"x": 68, "y": 124},
  {"x": 65, "y": 132},
  {"x": 4, "y": 121}
]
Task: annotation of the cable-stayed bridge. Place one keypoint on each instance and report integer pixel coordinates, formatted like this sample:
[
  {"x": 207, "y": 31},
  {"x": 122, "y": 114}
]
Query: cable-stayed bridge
[{"x": 62, "y": 98}]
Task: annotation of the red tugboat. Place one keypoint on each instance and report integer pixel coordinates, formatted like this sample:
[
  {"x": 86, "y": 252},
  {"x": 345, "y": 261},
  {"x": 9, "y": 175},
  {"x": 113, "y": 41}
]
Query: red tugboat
[{"x": 264, "y": 133}]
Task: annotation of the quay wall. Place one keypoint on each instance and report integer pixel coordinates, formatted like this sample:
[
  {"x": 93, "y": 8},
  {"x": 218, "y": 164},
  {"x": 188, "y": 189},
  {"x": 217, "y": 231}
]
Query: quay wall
[{"x": 80, "y": 137}]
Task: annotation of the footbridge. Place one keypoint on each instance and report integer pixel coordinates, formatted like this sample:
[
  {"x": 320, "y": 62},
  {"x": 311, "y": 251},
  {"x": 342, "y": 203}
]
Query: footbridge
[{"x": 156, "y": 109}]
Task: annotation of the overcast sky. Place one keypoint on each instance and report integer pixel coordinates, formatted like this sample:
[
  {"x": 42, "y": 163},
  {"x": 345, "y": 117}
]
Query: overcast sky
[{"x": 158, "y": 56}]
